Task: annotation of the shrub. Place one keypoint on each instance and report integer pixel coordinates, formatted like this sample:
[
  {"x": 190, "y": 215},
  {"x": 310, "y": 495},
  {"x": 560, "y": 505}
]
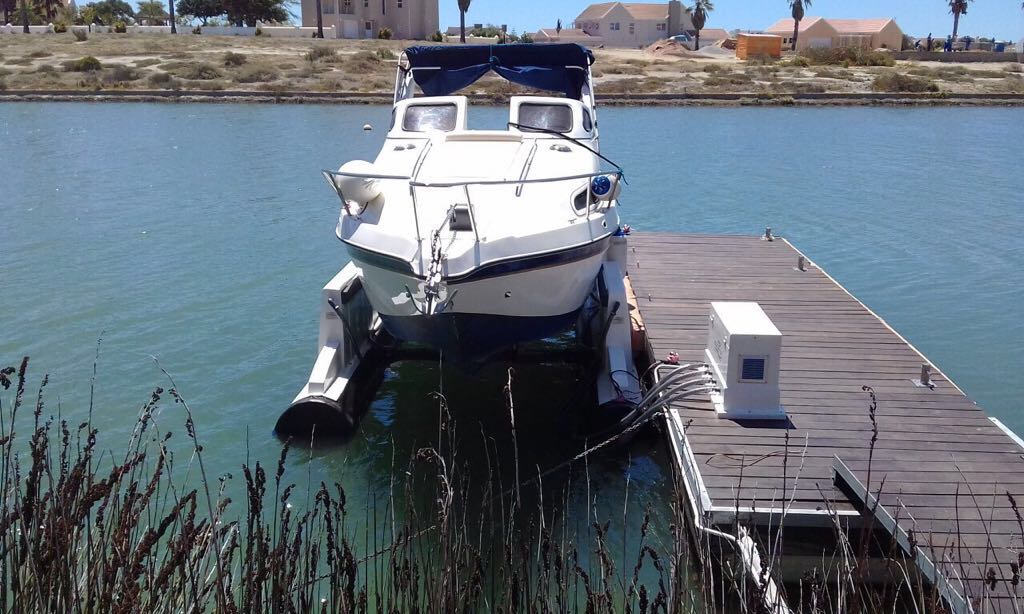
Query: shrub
[
  {"x": 319, "y": 53},
  {"x": 234, "y": 59},
  {"x": 200, "y": 71},
  {"x": 437, "y": 37},
  {"x": 197, "y": 30},
  {"x": 160, "y": 78},
  {"x": 897, "y": 82},
  {"x": 799, "y": 61},
  {"x": 386, "y": 54},
  {"x": 256, "y": 74},
  {"x": 80, "y": 35},
  {"x": 120, "y": 27},
  {"x": 45, "y": 69},
  {"x": 60, "y": 27},
  {"x": 384, "y": 34},
  {"x": 527, "y": 39},
  {"x": 119, "y": 73},
  {"x": 1017, "y": 68},
  {"x": 85, "y": 64},
  {"x": 847, "y": 56},
  {"x": 259, "y": 31},
  {"x": 713, "y": 68}
]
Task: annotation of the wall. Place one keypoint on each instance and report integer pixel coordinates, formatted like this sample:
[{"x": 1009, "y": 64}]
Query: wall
[
  {"x": 414, "y": 19},
  {"x": 967, "y": 57},
  {"x": 17, "y": 29}
]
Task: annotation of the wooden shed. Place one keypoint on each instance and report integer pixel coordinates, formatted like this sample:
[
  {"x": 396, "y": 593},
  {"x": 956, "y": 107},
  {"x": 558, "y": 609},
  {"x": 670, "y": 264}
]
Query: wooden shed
[{"x": 753, "y": 45}]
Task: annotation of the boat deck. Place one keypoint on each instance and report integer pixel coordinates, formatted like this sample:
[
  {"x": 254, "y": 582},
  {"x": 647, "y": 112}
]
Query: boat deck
[{"x": 945, "y": 474}]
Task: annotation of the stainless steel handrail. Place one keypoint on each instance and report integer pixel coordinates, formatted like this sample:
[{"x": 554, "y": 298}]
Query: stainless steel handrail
[{"x": 454, "y": 184}]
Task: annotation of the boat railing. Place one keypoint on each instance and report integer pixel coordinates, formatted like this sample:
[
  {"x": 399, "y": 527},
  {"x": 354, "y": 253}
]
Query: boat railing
[{"x": 416, "y": 184}]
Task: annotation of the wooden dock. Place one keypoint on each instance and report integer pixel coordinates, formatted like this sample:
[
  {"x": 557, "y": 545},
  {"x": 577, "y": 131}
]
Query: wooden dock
[{"x": 944, "y": 473}]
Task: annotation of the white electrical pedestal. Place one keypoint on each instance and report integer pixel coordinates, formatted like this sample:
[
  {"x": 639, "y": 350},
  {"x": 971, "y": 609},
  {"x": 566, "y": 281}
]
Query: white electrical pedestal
[{"x": 743, "y": 353}]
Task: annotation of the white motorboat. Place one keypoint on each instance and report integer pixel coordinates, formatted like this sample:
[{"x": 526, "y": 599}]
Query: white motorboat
[{"x": 469, "y": 241}]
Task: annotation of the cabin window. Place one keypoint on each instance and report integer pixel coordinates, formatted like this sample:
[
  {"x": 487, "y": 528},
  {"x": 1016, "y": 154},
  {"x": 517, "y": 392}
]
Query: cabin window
[
  {"x": 557, "y": 117},
  {"x": 423, "y": 117},
  {"x": 588, "y": 124}
]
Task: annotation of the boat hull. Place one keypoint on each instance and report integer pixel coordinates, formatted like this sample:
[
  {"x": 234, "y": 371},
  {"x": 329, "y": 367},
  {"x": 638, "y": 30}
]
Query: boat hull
[{"x": 491, "y": 308}]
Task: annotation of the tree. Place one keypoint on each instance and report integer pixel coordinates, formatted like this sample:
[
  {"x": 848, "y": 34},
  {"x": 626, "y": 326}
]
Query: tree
[
  {"x": 202, "y": 10},
  {"x": 24, "y": 16},
  {"x": 170, "y": 13},
  {"x": 47, "y": 10},
  {"x": 152, "y": 12},
  {"x": 319, "y": 19},
  {"x": 558, "y": 27},
  {"x": 699, "y": 17},
  {"x": 248, "y": 12},
  {"x": 798, "y": 14},
  {"x": 957, "y": 8},
  {"x": 8, "y": 7},
  {"x": 463, "y": 7},
  {"x": 106, "y": 12}
]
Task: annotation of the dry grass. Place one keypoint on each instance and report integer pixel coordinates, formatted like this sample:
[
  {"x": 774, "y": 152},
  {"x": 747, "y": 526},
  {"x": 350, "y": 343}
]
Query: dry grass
[{"x": 211, "y": 62}]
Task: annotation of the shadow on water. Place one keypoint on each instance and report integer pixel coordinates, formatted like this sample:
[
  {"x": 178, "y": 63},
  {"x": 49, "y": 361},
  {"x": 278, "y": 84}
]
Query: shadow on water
[{"x": 516, "y": 481}]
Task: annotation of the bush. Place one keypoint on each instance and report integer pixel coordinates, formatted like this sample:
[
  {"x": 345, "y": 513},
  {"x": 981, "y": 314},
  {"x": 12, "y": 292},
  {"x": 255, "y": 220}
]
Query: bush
[
  {"x": 234, "y": 59},
  {"x": 847, "y": 56},
  {"x": 320, "y": 53},
  {"x": 119, "y": 73},
  {"x": 120, "y": 27},
  {"x": 256, "y": 74},
  {"x": 45, "y": 69},
  {"x": 798, "y": 60},
  {"x": 896, "y": 82},
  {"x": 527, "y": 39},
  {"x": 384, "y": 34},
  {"x": 80, "y": 35},
  {"x": 60, "y": 27},
  {"x": 160, "y": 78},
  {"x": 437, "y": 37},
  {"x": 200, "y": 71},
  {"x": 197, "y": 30},
  {"x": 259, "y": 31},
  {"x": 386, "y": 54},
  {"x": 85, "y": 64}
]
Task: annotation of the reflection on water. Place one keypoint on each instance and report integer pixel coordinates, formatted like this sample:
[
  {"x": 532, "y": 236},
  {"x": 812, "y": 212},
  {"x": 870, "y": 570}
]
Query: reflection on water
[{"x": 201, "y": 234}]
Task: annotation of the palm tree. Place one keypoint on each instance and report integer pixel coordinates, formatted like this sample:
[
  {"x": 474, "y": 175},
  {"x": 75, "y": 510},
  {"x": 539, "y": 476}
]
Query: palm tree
[
  {"x": 699, "y": 17},
  {"x": 958, "y": 8},
  {"x": 463, "y": 7},
  {"x": 319, "y": 19},
  {"x": 170, "y": 6},
  {"x": 8, "y": 7},
  {"x": 24, "y": 16},
  {"x": 798, "y": 14}
]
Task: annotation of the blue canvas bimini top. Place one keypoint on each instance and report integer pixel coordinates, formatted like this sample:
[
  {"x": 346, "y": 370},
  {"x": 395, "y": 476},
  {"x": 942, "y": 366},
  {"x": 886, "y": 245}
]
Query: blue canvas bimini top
[{"x": 442, "y": 70}]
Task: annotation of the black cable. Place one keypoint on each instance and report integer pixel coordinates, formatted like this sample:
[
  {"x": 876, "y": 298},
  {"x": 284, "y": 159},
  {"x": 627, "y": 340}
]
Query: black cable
[{"x": 524, "y": 128}]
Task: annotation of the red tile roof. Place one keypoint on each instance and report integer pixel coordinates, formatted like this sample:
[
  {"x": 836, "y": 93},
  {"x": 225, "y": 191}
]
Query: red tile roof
[
  {"x": 859, "y": 26},
  {"x": 640, "y": 11},
  {"x": 786, "y": 25}
]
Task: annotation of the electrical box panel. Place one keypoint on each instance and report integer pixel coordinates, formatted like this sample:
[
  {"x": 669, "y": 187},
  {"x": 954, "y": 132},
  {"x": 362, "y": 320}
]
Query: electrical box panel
[{"x": 743, "y": 352}]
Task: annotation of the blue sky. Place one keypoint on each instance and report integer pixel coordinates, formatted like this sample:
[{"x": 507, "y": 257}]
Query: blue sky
[{"x": 1000, "y": 18}]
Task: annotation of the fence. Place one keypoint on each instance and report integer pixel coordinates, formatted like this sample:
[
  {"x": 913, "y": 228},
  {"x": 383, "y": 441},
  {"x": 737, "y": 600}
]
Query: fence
[{"x": 271, "y": 31}]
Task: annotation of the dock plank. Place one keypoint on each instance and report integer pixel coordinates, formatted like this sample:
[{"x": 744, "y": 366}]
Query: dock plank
[{"x": 947, "y": 469}]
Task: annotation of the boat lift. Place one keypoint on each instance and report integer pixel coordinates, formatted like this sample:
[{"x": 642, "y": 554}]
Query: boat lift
[{"x": 354, "y": 351}]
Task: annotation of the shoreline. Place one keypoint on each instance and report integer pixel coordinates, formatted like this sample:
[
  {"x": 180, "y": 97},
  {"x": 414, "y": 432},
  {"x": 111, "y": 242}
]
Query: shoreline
[{"x": 647, "y": 99}]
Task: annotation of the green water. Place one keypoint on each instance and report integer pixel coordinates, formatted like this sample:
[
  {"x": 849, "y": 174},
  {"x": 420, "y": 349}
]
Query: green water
[{"x": 201, "y": 234}]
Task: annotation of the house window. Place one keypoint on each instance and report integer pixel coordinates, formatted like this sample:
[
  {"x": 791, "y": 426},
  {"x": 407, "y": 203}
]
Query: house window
[
  {"x": 346, "y": 7},
  {"x": 613, "y": 26},
  {"x": 660, "y": 27},
  {"x": 366, "y": 4},
  {"x": 329, "y": 8},
  {"x": 399, "y": 4},
  {"x": 632, "y": 29}
]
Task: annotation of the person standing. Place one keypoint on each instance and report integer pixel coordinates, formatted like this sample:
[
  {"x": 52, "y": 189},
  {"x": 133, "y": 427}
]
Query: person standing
[{"x": 929, "y": 47}]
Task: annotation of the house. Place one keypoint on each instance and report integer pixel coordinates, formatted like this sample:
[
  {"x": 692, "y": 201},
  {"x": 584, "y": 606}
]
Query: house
[
  {"x": 629, "y": 24},
  {"x": 407, "y": 19},
  {"x": 814, "y": 32},
  {"x": 567, "y": 35},
  {"x": 870, "y": 33},
  {"x": 821, "y": 32},
  {"x": 712, "y": 36}
]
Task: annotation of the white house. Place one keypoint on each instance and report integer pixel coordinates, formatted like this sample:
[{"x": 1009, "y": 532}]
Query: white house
[
  {"x": 407, "y": 19},
  {"x": 629, "y": 24}
]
